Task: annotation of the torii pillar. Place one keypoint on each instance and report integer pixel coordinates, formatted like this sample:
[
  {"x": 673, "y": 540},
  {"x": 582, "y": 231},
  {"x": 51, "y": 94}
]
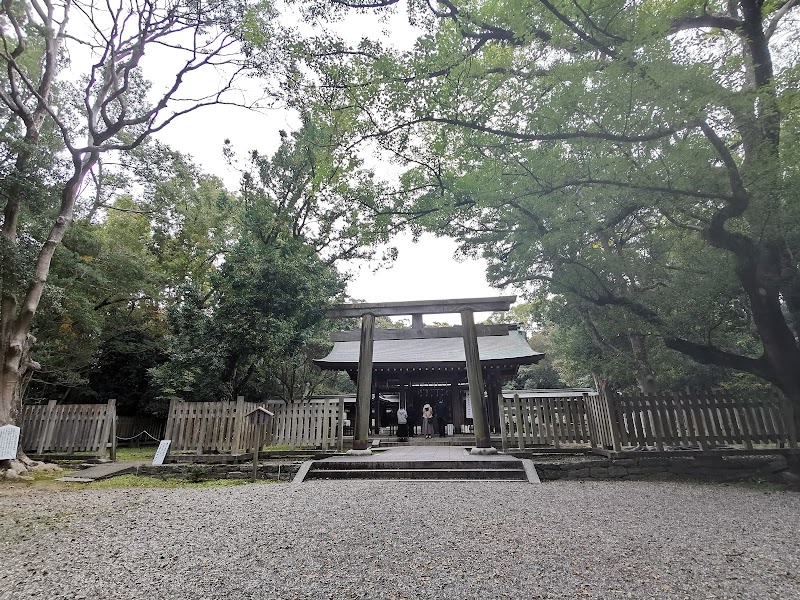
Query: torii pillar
[
  {"x": 466, "y": 307},
  {"x": 364, "y": 385}
]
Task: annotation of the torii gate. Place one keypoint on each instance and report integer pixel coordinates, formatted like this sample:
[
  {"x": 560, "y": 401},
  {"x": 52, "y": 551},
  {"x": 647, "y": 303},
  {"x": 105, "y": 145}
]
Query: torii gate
[{"x": 466, "y": 307}]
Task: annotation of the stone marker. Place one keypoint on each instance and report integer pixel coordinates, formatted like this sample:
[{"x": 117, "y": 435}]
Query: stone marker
[
  {"x": 9, "y": 441},
  {"x": 161, "y": 453}
]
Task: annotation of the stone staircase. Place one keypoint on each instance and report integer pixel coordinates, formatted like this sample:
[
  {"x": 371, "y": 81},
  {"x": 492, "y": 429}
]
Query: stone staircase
[
  {"x": 405, "y": 470},
  {"x": 421, "y": 463}
]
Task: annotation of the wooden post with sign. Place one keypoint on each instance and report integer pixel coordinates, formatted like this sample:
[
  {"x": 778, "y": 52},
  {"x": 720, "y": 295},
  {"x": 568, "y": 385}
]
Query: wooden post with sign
[{"x": 259, "y": 418}]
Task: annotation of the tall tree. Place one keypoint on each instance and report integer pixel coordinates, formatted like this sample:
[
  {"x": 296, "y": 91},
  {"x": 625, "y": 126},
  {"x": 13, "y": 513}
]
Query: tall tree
[
  {"x": 301, "y": 213},
  {"x": 540, "y": 120},
  {"x": 112, "y": 113}
]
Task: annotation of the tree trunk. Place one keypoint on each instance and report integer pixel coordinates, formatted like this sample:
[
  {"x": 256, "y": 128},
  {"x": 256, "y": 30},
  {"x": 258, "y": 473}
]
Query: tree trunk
[{"x": 644, "y": 372}]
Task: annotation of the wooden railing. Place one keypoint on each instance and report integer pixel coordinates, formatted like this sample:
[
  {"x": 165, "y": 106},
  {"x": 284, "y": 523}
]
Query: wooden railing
[
  {"x": 702, "y": 420},
  {"x": 69, "y": 428},
  {"x": 545, "y": 418},
  {"x": 660, "y": 421}
]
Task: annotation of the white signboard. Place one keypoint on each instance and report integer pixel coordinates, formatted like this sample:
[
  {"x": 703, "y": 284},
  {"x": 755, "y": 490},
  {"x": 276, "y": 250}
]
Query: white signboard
[
  {"x": 9, "y": 440},
  {"x": 161, "y": 453},
  {"x": 468, "y": 411}
]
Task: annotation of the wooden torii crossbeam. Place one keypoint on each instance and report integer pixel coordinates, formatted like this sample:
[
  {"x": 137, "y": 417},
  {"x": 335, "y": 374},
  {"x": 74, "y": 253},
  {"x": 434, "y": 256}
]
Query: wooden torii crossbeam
[{"x": 466, "y": 307}]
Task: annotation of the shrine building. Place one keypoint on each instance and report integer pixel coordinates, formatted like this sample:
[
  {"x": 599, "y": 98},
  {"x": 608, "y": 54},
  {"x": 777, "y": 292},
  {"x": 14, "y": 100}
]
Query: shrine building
[{"x": 422, "y": 365}]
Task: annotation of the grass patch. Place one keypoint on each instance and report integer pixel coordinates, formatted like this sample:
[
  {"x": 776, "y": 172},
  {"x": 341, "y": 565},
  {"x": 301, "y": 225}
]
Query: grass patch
[
  {"x": 137, "y": 481},
  {"x": 126, "y": 454}
]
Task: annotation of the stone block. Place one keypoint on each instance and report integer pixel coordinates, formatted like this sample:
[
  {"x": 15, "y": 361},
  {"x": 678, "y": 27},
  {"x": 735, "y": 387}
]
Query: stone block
[
  {"x": 649, "y": 470},
  {"x": 617, "y": 471},
  {"x": 775, "y": 466},
  {"x": 598, "y": 472},
  {"x": 625, "y": 462},
  {"x": 588, "y": 464},
  {"x": 578, "y": 474}
]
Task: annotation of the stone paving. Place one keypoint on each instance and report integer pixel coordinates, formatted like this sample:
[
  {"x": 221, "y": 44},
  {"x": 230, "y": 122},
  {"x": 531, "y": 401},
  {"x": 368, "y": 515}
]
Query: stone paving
[{"x": 424, "y": 454}]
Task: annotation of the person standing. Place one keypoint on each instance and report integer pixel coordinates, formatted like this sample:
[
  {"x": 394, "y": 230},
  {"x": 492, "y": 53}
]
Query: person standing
[
  {"x": 441, "y": 417},
  {"x": 402, "y": 424},
  {"x": 427, "y": 421}
]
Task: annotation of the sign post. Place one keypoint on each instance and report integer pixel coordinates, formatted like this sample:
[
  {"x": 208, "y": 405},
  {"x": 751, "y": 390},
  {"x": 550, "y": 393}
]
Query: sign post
[{"x": 259, "y": 417}]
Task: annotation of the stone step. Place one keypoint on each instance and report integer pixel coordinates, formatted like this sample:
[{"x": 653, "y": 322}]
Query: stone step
[
  {"x": 414, "y": 464},
  {"x": 420, "y": 473}
]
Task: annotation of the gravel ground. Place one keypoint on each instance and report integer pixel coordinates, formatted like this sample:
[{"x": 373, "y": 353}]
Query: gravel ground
[{"x": 360, "y": 539}]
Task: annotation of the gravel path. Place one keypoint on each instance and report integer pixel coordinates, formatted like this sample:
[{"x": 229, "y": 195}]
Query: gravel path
[{"x": 359, "y": 539}]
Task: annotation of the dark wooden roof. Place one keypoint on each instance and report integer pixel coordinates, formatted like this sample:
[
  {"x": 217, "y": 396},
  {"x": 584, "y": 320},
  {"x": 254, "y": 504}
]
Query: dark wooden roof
[{"x": 495, "y": 350}]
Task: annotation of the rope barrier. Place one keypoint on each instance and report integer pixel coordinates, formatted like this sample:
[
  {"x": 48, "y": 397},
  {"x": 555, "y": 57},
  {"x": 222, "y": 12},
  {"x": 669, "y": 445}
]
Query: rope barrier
[{"x": 124, "y": 439}]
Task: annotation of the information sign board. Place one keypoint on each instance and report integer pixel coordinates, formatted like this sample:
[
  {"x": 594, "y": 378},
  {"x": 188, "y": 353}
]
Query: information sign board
[{"x": 161, "y": 453}]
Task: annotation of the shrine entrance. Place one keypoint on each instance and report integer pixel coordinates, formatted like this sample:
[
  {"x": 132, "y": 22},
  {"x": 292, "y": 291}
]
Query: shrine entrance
[{"x": 464, "y": 366}]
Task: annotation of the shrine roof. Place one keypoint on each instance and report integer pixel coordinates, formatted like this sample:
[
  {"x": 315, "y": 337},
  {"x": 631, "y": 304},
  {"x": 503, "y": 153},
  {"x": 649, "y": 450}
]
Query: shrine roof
[{"x": 511, "y": 349}]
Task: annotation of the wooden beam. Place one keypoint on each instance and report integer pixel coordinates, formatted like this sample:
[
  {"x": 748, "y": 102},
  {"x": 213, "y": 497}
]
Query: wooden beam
[
  {"x": 456, "y": 331},
  {"x": 421, "y": 307}
]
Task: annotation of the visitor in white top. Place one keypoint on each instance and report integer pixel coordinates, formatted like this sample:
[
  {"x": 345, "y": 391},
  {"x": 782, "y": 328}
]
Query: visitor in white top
[{"x": 402, "y": 424}]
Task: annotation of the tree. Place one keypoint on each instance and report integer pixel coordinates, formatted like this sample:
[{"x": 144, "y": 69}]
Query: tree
[
  {"x": 266, "y": 303},
  {"x": 111, "y": 114},
  {"x": 301, "y": 213},
  {"x": 542, "y": 131}
]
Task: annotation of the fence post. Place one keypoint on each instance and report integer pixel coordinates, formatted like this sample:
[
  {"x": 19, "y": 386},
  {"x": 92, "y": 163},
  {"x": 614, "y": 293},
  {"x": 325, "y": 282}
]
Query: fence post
[
  {"x": 170, "y": 420},
  {"x": 205, "y": 412},
  {"x": 788, "y": 415},
  {"x": 590, "y": 424},
  {"x": 45, "y": 432},
  {"x": 501, "y": 402},
  {"x": 238, "y": 425},
  {"x": 114, "y": 432},
  {"x": 107, "y": 429},
  {"x": 340, "y": 426},
  {"x": 520, "y": 426},
  {"x": 612, "y": 422}
]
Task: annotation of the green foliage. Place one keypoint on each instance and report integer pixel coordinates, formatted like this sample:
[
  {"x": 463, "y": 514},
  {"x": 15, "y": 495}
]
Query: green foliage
[{"x": 626, "y": 160}]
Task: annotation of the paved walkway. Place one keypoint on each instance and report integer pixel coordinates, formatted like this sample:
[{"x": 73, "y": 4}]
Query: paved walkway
[
  {"x": 103, "y": 471},
  {"x": 424, "y": 454}
]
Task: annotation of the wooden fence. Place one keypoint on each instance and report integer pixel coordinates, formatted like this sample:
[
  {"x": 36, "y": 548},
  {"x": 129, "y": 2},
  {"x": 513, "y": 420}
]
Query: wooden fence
[
  {"x": 662, "y": 421},
  {"x": 552, "y": 418},
  {"x": 222, "y": 427},
  {"x": 210, "y": 427},
  {"x": 318, "y": 422},
  {"x": 702, "y": 420},
  {"x": 69, "y": 428}
]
